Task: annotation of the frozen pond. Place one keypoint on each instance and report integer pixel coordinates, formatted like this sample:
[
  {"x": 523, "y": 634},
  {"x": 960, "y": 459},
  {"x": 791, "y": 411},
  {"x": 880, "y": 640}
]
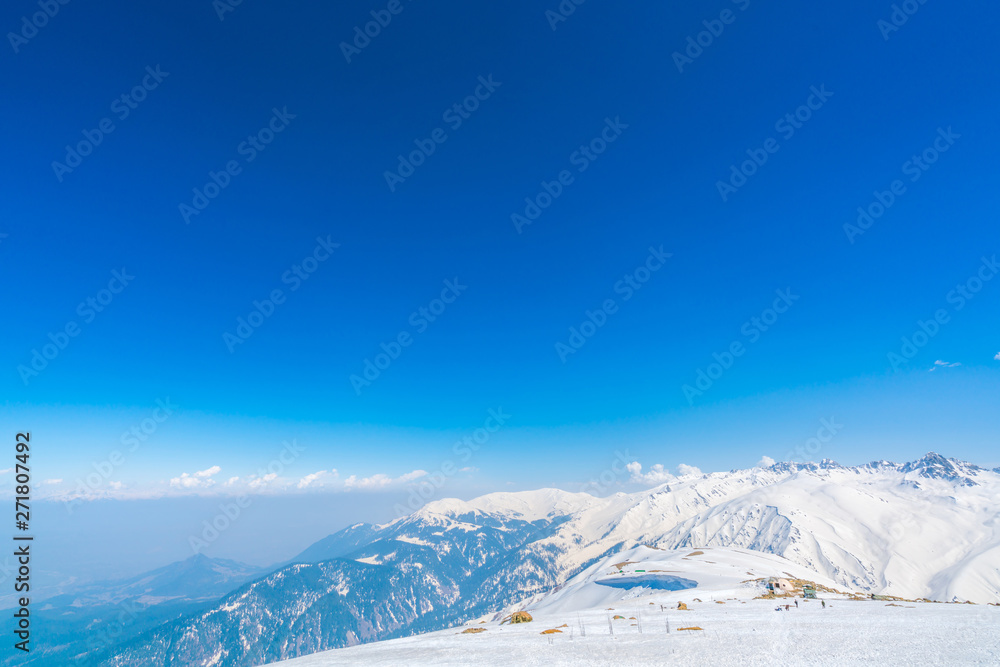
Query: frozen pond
[{"x": 660, "y": 582}]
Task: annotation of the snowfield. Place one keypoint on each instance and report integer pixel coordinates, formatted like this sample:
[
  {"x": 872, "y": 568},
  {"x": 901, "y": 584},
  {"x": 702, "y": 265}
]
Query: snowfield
[
  {"x": 925, "y": 530},
  {"x": 846, "y": 633},
  {"x": 928, "y": 528},
  {"x": 734, "y": 628},
  {"x": 717, "y": 573}
]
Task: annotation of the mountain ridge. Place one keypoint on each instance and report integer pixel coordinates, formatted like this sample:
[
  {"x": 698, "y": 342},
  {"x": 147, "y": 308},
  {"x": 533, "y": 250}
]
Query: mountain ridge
[{"x": 926, "y": 528}]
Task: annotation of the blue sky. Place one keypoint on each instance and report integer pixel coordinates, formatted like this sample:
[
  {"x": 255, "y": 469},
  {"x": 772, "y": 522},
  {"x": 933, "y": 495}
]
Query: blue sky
[{"x": 316, "y": 196}]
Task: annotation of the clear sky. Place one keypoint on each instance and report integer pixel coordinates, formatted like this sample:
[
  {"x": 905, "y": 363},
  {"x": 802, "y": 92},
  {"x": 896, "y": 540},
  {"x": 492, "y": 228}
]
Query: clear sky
[{"x": 671, "y": 201}]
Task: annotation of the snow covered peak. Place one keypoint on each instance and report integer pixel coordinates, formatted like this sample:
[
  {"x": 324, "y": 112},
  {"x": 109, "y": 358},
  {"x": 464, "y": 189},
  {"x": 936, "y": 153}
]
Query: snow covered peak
[
  {"x": 935, "y": 466},
  {"x": 811, "y": 466},
  {"x": 879, "y": 526},
  {"x": 854, "y": 524},
  {"x": 922, "y": 529},
  {"x": 523, "y": 505}
]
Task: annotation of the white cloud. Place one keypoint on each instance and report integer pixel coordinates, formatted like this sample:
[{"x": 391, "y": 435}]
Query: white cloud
[
  {"x": 944, "y": 364},
  {"x": 380, "y": 480},
  {"x": 353, "y": 482},
  {"x": 657, "y": 474},
  {"x": 765, "y": 462},
  {"x": 997, "y": 357},
  {"x": 7, "y": 470},
  {"x": 314, "y": 477},
  {"x": 210, "y": 481},
  {"x": 202, "y": 479},
  {"x": 684, "y": 470},
  {"x": 51, "y": 482},
  {"x": 261, "y": 481}
]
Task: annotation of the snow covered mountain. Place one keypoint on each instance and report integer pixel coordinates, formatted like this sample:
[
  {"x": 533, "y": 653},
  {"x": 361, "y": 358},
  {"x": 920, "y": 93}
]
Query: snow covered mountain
[
  {"x": 929, "y": 528},
  {"x": 710, "y": 606}
]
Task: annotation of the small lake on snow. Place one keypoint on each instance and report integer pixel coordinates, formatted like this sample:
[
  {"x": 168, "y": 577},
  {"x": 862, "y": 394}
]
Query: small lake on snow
[{"x": 660, "y": 582}]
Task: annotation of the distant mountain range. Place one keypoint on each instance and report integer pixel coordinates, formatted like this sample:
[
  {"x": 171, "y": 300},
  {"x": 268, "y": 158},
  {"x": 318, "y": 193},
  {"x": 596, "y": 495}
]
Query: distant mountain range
[
  {"x": 196, "y": 579},
  {"x": 95, "y": 617},
  {"x": 929, "y": 528}
]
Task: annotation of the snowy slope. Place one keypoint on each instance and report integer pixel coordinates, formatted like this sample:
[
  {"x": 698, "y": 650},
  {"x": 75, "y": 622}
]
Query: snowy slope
[
  {"x": 706, "y": 573},
  {"x": 899, "y": 530},
  {"x": 847, "y": 633},
  {"x": 595, "y": 624},
  {"x": 927, "y": 528},
  {"x": 924, "y": 529}
]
